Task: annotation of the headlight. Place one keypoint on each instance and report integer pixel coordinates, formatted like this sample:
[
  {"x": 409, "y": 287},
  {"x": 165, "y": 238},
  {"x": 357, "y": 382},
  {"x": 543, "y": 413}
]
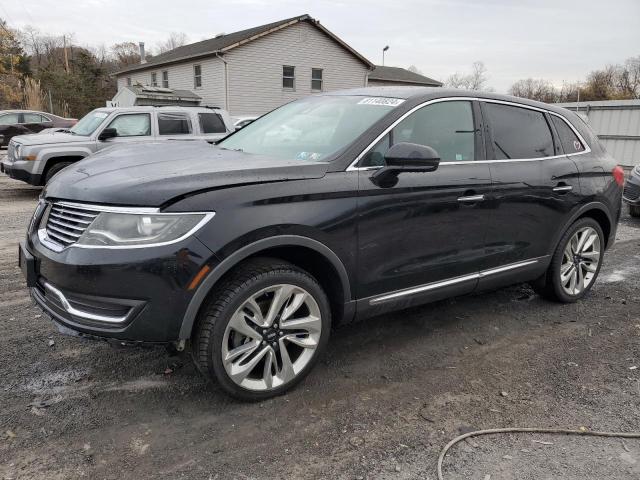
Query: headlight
[{"x": 113, "y": 229}]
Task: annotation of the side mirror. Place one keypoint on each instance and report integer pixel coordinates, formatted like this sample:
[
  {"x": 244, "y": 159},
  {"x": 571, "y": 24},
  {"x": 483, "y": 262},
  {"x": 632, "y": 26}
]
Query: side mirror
[
  {"x": 406, "y": 157},
  {"x": 108, "y": 133}
]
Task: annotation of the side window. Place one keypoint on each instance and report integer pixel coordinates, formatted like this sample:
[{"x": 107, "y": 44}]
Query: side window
[
  {"x": 197, "y": 76},
  {"x": 445, "y": 126},
  {"x": 165, "y": 79},
  {"x": 569, "y": 140},
  {"x": 211, "y": 123},
  {"x": 518, "y": 132},
  {"x": 35, "y": 118},
  {"x": 9, "y": 119},
  {"x": 154, "y": 79},
  {"x": 174, "y": 123},
  {"x": 132, "y": 125}
]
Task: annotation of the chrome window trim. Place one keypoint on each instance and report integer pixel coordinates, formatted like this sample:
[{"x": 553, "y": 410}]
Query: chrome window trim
[
  {"x": 44, "y": 238},
  {"x": 352, "y": 166},
  {"x": 450, "y": 281}
]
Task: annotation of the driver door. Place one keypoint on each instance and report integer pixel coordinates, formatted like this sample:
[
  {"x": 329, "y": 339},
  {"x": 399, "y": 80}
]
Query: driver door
[{"x": 423, "y": 238}]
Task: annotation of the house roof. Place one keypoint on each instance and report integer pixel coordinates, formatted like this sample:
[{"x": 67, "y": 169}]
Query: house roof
[
  {"x": 223, "y": 43},
  {"x": 143, "y": 91},
  {"x": 401, "y": 75}
]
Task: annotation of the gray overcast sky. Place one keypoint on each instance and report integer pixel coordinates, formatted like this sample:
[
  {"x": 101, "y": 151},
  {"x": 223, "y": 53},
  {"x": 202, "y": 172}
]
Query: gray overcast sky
[{"x": 559, "y": 40}]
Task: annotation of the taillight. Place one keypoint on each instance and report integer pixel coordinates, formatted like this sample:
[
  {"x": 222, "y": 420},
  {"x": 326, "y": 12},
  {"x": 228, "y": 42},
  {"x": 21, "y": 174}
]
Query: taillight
[{"x": 618, "y": 175}]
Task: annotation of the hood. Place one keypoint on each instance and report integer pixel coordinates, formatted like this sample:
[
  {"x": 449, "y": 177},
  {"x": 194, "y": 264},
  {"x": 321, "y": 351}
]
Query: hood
[
  {"x": 154, "y": 173},
  {"x": 50, "y": 138}
]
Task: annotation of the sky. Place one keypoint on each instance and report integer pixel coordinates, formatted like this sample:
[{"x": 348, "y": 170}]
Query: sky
[{"x": 557, "y": 40}]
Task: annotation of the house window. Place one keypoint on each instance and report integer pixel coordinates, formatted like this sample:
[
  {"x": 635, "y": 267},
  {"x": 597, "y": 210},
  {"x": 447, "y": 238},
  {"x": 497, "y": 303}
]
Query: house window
[
  {"x": 128, "y": 81},
  {"x": 197, "y": 76},
  {"x": 316, "y": 79},
  {"x": 165, "y": 78},
  {"x": 154, "y": 79},
  {"x": 288, "y": 77}
]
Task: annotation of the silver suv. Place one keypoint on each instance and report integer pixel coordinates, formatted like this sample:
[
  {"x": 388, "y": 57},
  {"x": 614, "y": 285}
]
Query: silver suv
[{"x": 36, "y": 158}]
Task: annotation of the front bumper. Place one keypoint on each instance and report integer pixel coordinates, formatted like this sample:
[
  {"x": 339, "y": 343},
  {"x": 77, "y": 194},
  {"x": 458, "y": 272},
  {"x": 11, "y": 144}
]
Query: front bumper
[
  {"x": 14, "y": 171},
  {"x": 130, "y": 296},
  {"x": 631, "y": 192}
]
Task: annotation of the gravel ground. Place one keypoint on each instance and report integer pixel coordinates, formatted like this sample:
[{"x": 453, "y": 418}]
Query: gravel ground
[{"x": 389, "y": 394}]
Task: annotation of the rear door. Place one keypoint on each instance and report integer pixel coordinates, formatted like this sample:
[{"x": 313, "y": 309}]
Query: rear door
[
  {"x": 536, "y": 187},
  {"x": 423, "y": 238}
]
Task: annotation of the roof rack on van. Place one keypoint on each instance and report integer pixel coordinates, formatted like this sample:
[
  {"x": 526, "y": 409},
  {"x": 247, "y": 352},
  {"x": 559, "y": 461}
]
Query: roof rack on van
[{"x": 212, "y": 107}]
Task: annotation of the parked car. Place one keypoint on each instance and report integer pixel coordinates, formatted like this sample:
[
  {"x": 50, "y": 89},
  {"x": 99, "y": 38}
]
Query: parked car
[
  {"x": 35, "y": 159},
  {"x": 251, "y": 249},
  {"x": 239, "y": 122},
  {"x": 631, "y": 193},
  {"x": 22, "y": 122}
]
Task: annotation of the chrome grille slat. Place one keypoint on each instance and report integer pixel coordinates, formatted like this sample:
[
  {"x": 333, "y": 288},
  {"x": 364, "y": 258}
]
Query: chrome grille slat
[
  {"x": 67, "y": 218},
  {"x": 631, "y": 191},
  {"x": 65, "y": 232},
  {"x": 66, "y": 224}
]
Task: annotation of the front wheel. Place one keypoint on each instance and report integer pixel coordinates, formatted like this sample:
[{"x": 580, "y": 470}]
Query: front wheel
[
  {"x": 263, "y": 329},
  {"x": 55, "y": 169},
  {"x": 575, "y": 264},
  {"x": 634, "y": 210}
]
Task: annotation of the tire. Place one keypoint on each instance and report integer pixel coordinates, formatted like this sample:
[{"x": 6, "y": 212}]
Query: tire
[
  {"x": 55, "y": 169},
  {"x": 634, "y": 210},
  {"x": 221, "y": 329},
  {"x": 551, "y": 286}
]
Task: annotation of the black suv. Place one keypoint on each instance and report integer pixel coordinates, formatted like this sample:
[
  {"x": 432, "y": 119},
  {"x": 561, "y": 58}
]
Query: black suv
[{"x": 329, "y": 208}]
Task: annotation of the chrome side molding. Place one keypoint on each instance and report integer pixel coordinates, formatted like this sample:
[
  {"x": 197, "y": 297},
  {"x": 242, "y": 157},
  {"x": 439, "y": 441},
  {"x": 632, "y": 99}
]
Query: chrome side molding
[{"x": 452, "y": 281}]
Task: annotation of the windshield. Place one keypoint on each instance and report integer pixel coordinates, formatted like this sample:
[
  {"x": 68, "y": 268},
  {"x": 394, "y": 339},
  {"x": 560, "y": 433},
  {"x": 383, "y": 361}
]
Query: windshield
[
  {"x": 312, "y": 128},
  {"x": 88, "y": 124}
]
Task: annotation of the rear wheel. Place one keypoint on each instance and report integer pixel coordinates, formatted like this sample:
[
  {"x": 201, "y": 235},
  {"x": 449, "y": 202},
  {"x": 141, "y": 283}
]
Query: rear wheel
[
  {"x": 263, "y": 330},
  {"x": 634, "y": 210},
  {"x": 575, "y": 264},
  {"x": 55, "y": 169}
]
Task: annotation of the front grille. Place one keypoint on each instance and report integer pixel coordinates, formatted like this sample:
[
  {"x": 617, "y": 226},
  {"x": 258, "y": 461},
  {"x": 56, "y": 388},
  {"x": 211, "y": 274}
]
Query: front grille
[
  {"x": 11, "y": 152},
  {"x": 65, "y": 223},
  {"x": 631, "y": 191}
]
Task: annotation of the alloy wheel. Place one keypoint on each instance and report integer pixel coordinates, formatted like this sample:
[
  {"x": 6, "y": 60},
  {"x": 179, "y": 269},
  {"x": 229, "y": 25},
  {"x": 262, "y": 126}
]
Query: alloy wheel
[
  {"x": 580, "y": 261},
  {"x": 272, "y": 337}
]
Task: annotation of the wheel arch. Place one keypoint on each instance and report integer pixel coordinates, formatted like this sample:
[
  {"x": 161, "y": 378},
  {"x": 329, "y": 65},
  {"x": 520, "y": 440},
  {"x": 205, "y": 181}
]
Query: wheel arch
[
  {"x": 304, "y": 252},
  {"x": 596, "y": 210}
]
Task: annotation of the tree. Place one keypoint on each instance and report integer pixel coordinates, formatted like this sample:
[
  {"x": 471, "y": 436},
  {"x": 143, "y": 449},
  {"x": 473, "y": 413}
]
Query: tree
[
  {"x": 13, "y": 66},
  {"x": 126, "y": 53},
  {"x": 534, "y": 89},
  {"x": 175, "y": 40},
  {"x": 476, "y": 80},
  {"x": 414, "y": 69}
]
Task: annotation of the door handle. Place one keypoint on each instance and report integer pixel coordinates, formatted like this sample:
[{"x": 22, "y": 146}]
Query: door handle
[
  {"x": 471, "y": 199},
  {"x": 563, "y": 188}
]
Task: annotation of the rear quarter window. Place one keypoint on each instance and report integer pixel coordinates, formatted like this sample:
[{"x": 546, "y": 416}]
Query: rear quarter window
[
  {"x": 569, "y": 140},
  {"x": 177, "y": 123},
  {"x": 211, "y": 123}
]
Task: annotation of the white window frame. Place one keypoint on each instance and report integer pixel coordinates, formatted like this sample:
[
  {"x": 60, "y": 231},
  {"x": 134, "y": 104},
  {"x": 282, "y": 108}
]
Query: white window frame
[
  {"x": 321, "y": 80},
  {"x": 154, "y": 79},
  {"x": 165, "y": 78},
  {"x": 197, "y": 78},
  {"x": 293, "y": 77},
  {"x": 128, "y": 81}
]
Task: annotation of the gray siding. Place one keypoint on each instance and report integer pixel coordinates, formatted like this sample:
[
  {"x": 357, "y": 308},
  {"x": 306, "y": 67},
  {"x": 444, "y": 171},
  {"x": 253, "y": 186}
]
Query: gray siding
[
  {"x": 181, "y": 78},
  {"x": 255, "y": 69},
  {"x": 617, "y": 124}
]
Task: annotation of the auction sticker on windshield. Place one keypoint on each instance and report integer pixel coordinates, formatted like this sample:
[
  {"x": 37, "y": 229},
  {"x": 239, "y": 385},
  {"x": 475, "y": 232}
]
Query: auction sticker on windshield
[{"x": 381, "y": 101}]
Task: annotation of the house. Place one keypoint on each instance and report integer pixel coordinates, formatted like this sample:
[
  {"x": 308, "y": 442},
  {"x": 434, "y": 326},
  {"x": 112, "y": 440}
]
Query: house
[
  {"x": 129, "y": 96},
  {"x": 256, "y": 70},
  {"x": 253, "y": 71},
  {"x": 382, "y": 76}
]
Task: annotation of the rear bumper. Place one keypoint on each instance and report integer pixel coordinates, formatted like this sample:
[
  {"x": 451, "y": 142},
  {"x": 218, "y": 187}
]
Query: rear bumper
[{"x": 18, "y": 173}]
